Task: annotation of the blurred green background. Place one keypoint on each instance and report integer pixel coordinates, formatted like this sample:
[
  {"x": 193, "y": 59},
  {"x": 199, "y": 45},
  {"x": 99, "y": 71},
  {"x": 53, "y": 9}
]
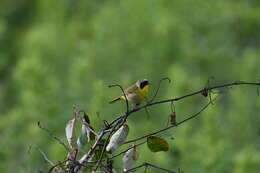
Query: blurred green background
[{"x": 54, "y": 54}]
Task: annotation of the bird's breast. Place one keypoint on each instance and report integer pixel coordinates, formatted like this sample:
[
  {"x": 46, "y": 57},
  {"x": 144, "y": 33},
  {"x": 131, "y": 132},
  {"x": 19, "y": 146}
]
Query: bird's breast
[{"x": 143, "y": 92}]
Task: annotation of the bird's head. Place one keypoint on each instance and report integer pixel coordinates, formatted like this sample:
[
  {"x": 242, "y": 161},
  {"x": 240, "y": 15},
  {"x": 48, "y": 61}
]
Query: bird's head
[{"x": 142, "y": 83}]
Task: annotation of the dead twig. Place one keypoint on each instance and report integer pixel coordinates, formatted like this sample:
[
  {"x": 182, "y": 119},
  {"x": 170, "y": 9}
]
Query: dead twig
[
  {"x": 43, "y": 155},
  {"x": 123, "y": 92},
  {"x": 158, "y": 88}
]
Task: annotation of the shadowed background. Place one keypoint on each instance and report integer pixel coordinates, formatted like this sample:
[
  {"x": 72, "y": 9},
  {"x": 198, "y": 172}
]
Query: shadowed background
[{"x": 56, "y": 54}]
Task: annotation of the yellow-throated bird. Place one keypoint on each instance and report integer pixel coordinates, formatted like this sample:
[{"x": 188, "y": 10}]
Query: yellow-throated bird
[{"x": 136, "y": 93}]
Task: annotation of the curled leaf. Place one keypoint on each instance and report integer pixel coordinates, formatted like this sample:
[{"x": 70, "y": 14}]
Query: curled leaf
[
  {"x": 156, "y": 144},
  {"x": 118, "y": 138},
  {"x": 85, "y": 136},
  {"x": 129, "y": 158},
  {"x": 82, "y": 141},
  {"x": 173, "y": 118},
  {"x": 86, "y": 132},
  {"x": 205, "y": 92},
  {"x": 70, "y": 132},
  {"x": 72, "y": 154}
]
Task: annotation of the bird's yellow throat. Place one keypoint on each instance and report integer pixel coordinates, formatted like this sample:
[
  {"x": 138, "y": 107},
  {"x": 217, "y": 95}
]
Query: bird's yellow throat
[{"x": 143, "y": 92}]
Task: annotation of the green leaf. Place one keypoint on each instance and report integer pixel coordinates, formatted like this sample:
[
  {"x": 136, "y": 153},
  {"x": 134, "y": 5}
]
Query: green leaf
[
  {"x": 85, "y": 136},
  {"x": 156, "y": 144}
]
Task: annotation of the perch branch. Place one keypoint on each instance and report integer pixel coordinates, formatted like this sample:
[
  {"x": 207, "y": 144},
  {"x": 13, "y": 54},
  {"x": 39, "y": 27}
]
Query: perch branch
[{"x": 183, "y": 97}]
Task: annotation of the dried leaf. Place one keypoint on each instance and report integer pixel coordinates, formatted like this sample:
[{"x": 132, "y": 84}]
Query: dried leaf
[
  {"x": 72, "y": 154},
  {"x": 129, "y": 158},
  {"x": 173, "y": 118},
  {"x": 156, "y": 144},
  {"x": 205, "y": 92},
  {"x": 118, "y": 138},
  {"x": 70, "y": 132},
  {"x": 86, "y": 132}
]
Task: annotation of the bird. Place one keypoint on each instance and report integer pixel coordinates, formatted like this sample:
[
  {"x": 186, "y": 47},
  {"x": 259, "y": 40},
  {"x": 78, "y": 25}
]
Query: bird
[{"x": 136, "y": 93}]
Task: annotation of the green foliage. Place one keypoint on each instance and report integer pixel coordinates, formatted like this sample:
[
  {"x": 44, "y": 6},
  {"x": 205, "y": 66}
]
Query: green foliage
[
  {"x": 56, "y": 54},
  {"x": 156, "y": 144}
]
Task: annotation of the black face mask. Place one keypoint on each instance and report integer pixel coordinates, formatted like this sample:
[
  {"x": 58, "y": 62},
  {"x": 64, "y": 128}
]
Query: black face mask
[{"x": 143, "y": 84}]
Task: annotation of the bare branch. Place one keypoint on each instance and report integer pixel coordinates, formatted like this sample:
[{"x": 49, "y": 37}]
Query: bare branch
[
  {"x": 87, "y": 125},
  {"x": 127, "y": 149},
  {"x": 199, "y": 91},
  {"x": 56, "y": 165},
  {"x": 158, "y": 87},
  {"x": 257, "y": 89},
  {"x": 135, "y": 109}
]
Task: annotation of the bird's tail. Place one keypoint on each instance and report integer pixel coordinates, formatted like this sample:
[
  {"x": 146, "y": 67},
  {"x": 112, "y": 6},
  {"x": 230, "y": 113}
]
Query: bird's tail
[{"x": 116, "y": 99}]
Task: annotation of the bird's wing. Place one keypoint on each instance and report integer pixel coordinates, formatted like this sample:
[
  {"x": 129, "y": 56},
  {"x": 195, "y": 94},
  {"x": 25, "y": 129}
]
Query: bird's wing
[{"x": 131, "y": 89}]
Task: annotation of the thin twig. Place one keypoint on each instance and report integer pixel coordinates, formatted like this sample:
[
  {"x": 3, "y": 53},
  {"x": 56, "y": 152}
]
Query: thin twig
[
  {"x": 151, "y": 165},
  {"x": 147, "y": 112},
  {"x": 158, "y": 87},
  {"x": 44, "y": 156},
  {"x": 172, "y": 107},
  {"x": 145, "y": 169},
  {"x": 126, "y": 100},
  {"x": 257, "y": 89},
  {"x": 146, "y": 109},
  {"x": 96, "y": 161},
  {"x": 88, "y": 126},
  {"x": 56, "y": 165},
  {"x": 199, "y": 91},
  {"x": 106, "y": 169},
  {"x": 127, "y": 150},
  {"x": 53, "y": 136}
]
